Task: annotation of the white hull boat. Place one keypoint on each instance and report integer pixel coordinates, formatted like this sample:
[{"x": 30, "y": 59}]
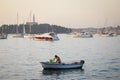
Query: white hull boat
[
  {"x": 3, "y": 36},
  {"x": 29, "y": 36},
  {"x": 47, "y": 37},
  {"x": 18, "y": 36},
  {"x": 54, "y": 65},
  {"x": 86, "y": 35},
  {"x": 75, "y": 35}
]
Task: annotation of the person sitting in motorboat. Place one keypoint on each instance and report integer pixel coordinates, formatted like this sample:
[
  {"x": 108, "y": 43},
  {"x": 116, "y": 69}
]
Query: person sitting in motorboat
[{"x": 57, "y": 59}]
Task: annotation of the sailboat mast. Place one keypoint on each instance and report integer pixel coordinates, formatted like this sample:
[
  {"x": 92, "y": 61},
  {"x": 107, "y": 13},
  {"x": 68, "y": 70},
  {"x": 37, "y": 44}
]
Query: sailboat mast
[
  {"x": 17, "y": 24},
  {"x": 24, "y": 32},
  {"x": 30, "y": 22}
]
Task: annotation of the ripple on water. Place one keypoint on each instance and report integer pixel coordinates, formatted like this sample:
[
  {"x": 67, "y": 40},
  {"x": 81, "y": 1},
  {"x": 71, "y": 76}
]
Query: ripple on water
[{"x": 21, "y": 62}]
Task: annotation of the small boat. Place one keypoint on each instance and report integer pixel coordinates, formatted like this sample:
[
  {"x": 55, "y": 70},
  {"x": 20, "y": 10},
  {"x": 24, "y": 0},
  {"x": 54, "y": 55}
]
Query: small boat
[
  {"x": 51, "y": 36},
  {"x": 29, "y": 36},
  {"x": 54, "y": 65},
  {"x": 86, "y": 35},
  {"x": 18, "y": 36},
  {"x": 75, "y": 35},
  {"x": 3, "y": 36},
  {"x": 108, "y": 35}
]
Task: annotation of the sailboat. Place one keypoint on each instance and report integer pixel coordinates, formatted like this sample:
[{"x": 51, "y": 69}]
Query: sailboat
[
  {"x": 30, "y": 24},
  {"x": 106, "y": 32},
  {"x": 3, "y": 35},
  {"x": 18, "y": 35},
  {"x": 26, "y": 35}
]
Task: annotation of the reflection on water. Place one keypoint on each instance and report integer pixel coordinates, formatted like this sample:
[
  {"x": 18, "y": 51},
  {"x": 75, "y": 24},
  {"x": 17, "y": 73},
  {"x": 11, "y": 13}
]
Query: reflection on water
[{"x": 62, "y": 71}]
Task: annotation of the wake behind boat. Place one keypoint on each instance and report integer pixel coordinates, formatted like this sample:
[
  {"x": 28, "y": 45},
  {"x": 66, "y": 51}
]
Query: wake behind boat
[{"x": 54, "y": 65}]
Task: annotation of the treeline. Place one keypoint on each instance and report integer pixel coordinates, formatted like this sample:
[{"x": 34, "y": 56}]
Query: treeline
[
  {"x": 43, "y": 28},
  {"x": 33, "y": 29}
]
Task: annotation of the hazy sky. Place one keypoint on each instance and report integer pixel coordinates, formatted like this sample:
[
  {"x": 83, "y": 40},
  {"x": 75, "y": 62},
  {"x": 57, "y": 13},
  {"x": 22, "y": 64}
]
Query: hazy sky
[{"x": 68, "y": 13}]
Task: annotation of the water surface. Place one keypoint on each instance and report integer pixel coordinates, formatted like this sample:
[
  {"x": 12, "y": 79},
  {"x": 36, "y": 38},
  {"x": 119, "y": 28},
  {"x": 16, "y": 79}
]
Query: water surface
[{"x": 19, "y": 58}]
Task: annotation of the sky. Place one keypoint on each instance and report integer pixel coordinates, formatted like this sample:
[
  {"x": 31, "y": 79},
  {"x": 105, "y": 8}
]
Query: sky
[{"x": 67, "y": 13}]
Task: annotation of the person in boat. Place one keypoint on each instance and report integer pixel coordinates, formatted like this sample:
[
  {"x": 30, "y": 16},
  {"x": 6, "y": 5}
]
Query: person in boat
[{"x": 57, "y": 59}]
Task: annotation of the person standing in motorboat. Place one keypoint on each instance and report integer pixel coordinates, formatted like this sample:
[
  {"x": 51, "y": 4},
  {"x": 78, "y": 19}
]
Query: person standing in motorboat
[{"x": 57, "y": 59}]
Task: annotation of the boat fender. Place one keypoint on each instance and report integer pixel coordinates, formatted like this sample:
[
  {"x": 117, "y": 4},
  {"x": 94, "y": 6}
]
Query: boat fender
[
  {"x": 75, "y": 63},
  {"x": 82, "y": 62}
]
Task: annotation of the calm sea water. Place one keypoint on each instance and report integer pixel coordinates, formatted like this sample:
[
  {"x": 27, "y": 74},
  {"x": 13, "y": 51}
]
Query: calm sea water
[{"x": 19, "y": 58}]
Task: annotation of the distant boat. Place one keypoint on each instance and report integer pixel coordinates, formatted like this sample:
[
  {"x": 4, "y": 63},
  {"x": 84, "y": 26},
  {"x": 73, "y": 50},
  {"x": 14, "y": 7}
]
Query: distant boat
[
  {"x": 86, "y": 35},
  {"x": 51, "y": 36},
  {"x": 28, "y": 35},
  {"x": 3, "y": 36},
  {"x": 30, "y": 24},
  {"x": 75, "y": 35},
  {"x": 57, "y": 66},
  {"x": 106, "y": 31},
  {"x": 108, "y": 35},
  {"x": 18, "y": 35}
]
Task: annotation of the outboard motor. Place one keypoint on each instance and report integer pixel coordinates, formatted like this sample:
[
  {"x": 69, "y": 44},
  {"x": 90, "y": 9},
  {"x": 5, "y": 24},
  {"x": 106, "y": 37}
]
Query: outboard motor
[{"x": 82, "y": 62}]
